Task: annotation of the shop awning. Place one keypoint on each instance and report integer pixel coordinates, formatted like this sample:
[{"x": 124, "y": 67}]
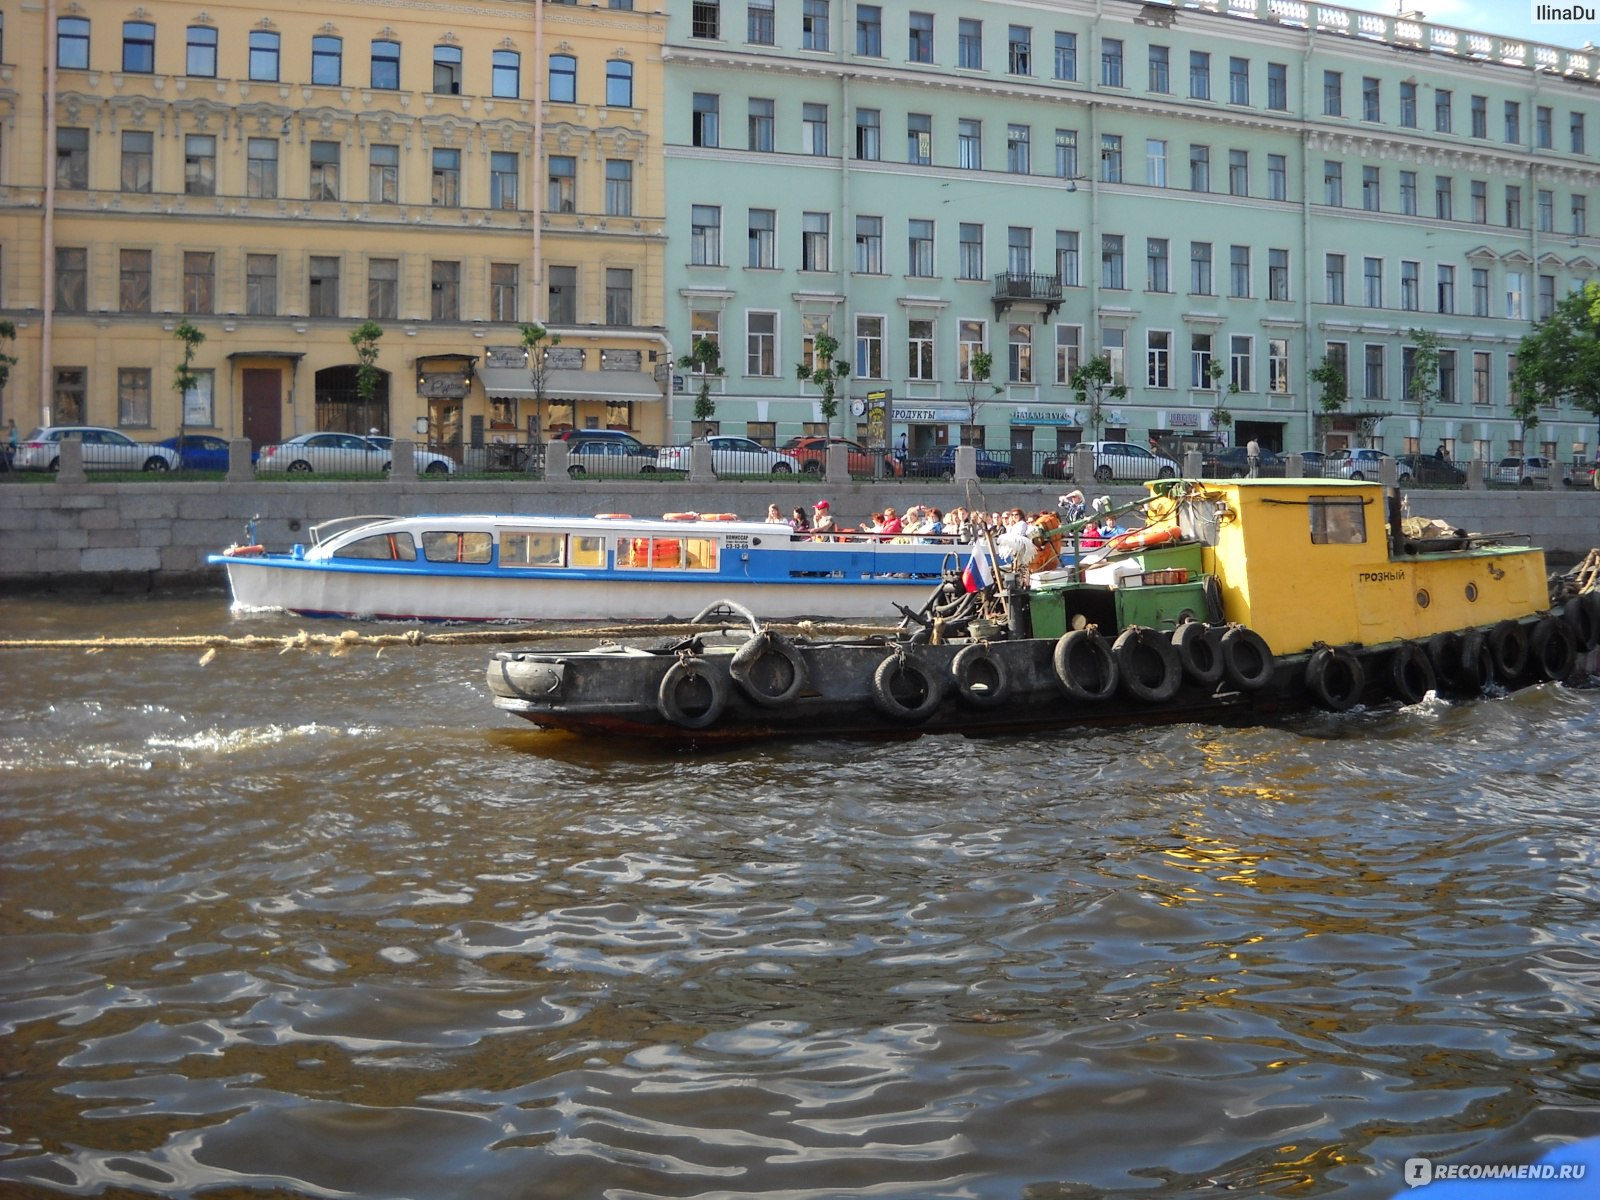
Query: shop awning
[{"x": 516, "y": 383}]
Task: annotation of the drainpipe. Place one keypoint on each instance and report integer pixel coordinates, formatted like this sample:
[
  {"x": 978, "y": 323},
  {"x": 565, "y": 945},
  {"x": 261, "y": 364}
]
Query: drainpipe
[
  {"x": 541, "y": 75},
  {"x": 47, "y": 276}
]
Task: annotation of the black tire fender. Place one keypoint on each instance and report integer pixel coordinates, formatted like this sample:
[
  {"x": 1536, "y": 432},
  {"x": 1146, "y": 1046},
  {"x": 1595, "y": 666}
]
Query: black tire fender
[
  {"x": 1411, "y": 675},
  {"x": 894, "y": 670},
  {"x": 1199, "y": 653},
  {"x": 1148, "y": 669},
  {"x": 1085, "y": 667},
  {"x": 770, "y": 669},
  {"x": 1508, "y": 650},
  {"x": 1247, "y": 660},
  {"x": 1335, "y": 678},
  {"x": 981, "y": 677},
  {"x": 1581, "y": 622},
  {"x": 1552, "y": 650},
  {"x": 692, "y": 694}
]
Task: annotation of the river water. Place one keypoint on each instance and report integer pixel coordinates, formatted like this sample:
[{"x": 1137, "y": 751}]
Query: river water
[{"x": 304, "y": 925}]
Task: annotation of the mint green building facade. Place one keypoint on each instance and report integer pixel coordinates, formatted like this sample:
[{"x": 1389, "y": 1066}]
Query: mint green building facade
[{"x": 1218, "y": 197}]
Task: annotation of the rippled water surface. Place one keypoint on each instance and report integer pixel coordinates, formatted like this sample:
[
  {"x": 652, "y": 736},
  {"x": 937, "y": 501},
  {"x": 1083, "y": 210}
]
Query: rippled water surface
[{"x": 335, "y": 926}]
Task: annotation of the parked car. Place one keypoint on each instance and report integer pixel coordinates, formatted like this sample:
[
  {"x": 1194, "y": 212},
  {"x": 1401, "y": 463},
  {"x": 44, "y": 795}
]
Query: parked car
[
  {"x": 1361, "y": 463},
  {"x": 811, "y": 449},
  {"x": 428, "y": 462},
  {"x": 103, "y": 450},
  {"x": 1116, "y": 460},
  {"x": 1310, "y": 462},
  {"x": 941, "y": 464},
  {"x": 1234, "y": 463},
  {"x": 609, "y": 456},
  {"x": 201, "y": 451},
  {"x": 333, "y": 453},
  {"x": 732, "y": 454},
  {"x": 1428, "y": 470},
  {"x": 1526, "y": 471}
]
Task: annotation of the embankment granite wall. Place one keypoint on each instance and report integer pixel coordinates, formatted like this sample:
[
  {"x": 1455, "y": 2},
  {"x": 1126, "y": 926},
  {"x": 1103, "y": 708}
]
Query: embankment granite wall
[{"x": 132, "y": 537}]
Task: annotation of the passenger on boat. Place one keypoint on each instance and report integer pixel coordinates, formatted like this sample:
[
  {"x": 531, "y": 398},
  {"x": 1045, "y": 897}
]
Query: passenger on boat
[
  {"x": 799, "y": 522},
  {"x": 774, "y": 515},
  {"x": 891, "y": 524},
  {"x": 1071, "y": 506},
  {"x": 822, "y": 524}
]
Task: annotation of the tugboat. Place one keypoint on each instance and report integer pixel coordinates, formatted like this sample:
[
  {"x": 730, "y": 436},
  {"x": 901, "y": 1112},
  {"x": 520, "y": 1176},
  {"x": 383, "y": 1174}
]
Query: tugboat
[{"x": 1237, "y": 600}]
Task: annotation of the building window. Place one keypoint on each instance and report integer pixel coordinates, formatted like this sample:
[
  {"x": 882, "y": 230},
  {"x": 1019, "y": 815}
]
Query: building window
[
  {"x": 869, "y": 30},
  {"x": 1480, "y": 116},
  {"x": 1278, "y": 365},
  {"x": 562, "y": 193},
  {"x": 1480, "y": 201},
  {"x": 138, "y": 47},
  {"x": 199, "y": 281},
  {"x": 1155, "y": 162},
  {"x": 1238, "y": 81},
  {"x": 919, "y": 350},
  {"x": 562, "y": 295},
  {"x": 1199, "y": 168},
  {"x": 1408, "y": 105},
  {"x": 1577, "y": 134},
  {"x": 1580, "y": 214},
  {"x": 1547, "y": 297},
  {"x": 1371, "y": 106},
  {"x": 867, "y": 135},
  {"x": 1066, "y": 56},
  {"x": 1547, "y": 211},
  {"x": 1372, "y": 282},
  {"x": 1019, "y": 356},
  {"x": 383, "y": 174},
  {"x": 1333, "y": 183},
  {"x": 1446, "y": 288},
  {"x": 1158, "y": 273},
  {"x": 1158, "y": 358},
  {"x": 71, "y": 394},
  {"x": 327, "y": 61},
  {"x": 1372, "y": 376},
  {"x": 919, "y": 248},
  {"x": 920, "y": 49},
  {"x": 814, "y": 131},
  {"x": 261, "y": 168},
  {"x": 1480, "y": 291},
  {"x": 264, "y": 56},
  {"x": 969, "y": 44},
  {"x": 1019, "y": 50},
  {"x": 1277, "y": 274},
  {"x": 1200, "y": 352},
  {"x": 1241, "y": 367},
  {"x": 261, "y": 285},
  {"x": 704, "y": 325},
  {"x": 200, "y": 58},
  {"x": 446, "y": 177},
  {"x": 1239, "y": 271},
  {"x": 1441, "y": 110},
  {"x": 969, "y": 144},
  {"x": 1410, "y": 286},
  {"x": 1111, "y": 62},
  {"x": 869, "y": 347},
  {"x": 1019, "y": 155},
  {"x": 133, "y": 281},
  {"x": 1069, "y": 352},
  {"x": 324, "y": 183},
  {"x": 705, "y": 235},
  {"x": 72, "y": 43},
  {"x": 869, "y": 245},
  {"x": 1371, "y": 191},
  {"x": 446, "y": 290},
  {"x": 1069, "y": 269},
  {"x": 199, "y": 399},
  {"x": 504, "y": 169},
  {"x": 619, "y": 84},
  {"x": 1515, "y": 310},
  {"x": 1278, "y": 86},
  {"x": 705, "y": 120},
  {"x": 1513, "y": 122},
  {"x": 1111, "y": 158},
  {"x": 970, "y": 338},
  {"x": 1238, "y": 172},
  {"x": 133, "y": 396},
  {"x": 200, "y": 164},
  {"x": 322, "y": 298},
  {"x": 814, "y": 242},
  {"x": 503, "y": 292},
  {"x": 919, "y": 139},
  {"x": 1277, "y": 177},
  {"x": 1333, "y": 278},
  {"x": 386, "y": 65},
  {"x": 72, "y": 158},
  {"x": 761, "y": 121},
  {"x": 1332, "y": 94},
  {"x": 1408, "y": 193},
  {"x": 1066, "y": 154},
  {"x": 505, "y": 75},
  {"x": 763, "y": 239},
  {"x": 1019, "y": 251},
  {"x": 1447, "y": 377},
  {"x": 761, "y": 343},
  {"x": 563, "y": 79},
  {"x": 1513, "y": 206},
  {"x": 1482, "y": 365},
  {"x": 1160, "y": 73},
  {"x": 1112, "y": 268},
  {"x": 814, "y": 25},
  {"x": 447, "y": 70},
  {"x": 619, "y": 187},
  {"x": 1200, "y": 269},
  {"x": 970, "y": 265},
  {"x": 1199, "y": 75},
  {"x": 138, "y": 161},
  {"x": 706, "y": 20},
  {"x": 1443, "y": 197}
]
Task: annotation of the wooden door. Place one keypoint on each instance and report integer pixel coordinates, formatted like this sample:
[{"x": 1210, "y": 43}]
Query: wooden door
[{"x": 263, "y": 405}]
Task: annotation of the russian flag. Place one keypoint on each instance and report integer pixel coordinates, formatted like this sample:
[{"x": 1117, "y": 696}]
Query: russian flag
[{"x": 980, "y": 571}]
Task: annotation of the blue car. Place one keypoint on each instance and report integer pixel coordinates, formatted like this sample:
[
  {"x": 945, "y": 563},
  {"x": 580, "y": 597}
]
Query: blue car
[
  {"x": 942, "y": 464},
  {"x": 201, "y": 451}
]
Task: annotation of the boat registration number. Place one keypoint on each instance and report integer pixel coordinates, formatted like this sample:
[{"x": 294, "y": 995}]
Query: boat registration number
[{"x": 737, "y": 541}]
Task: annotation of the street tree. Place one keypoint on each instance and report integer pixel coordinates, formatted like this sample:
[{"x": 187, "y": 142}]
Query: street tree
[
  {"x": 1093, "y": 383},
  {"x": 184, "y": 378},
  {"x": 365, "y": 340},
  {"x": 1559, "y": 361},
  {"x": 705, "y": 360},
  {"x": 536, "y": 341},
  {"x": 1329, "y": 376},
  {"x": 980, "y": 367},
  {"x": 824, "y": 372}
]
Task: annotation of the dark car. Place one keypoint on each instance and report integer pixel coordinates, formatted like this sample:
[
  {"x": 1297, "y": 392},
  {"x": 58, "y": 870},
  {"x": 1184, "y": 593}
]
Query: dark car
[
  {"x": 201, "y": 451},
  {"x": 1427, "y": 470},
  {"x": 1234, "y": 463},
  {"x": 941, "y": 464}
]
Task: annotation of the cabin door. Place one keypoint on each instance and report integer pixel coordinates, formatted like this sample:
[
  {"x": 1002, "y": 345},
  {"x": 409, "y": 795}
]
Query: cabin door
[{"x": 263, "y": 405}]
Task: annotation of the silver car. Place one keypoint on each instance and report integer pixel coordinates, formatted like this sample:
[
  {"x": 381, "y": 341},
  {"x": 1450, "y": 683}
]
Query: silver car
[
  {"x": 428, "y": 462},
  {"x": 732, "y": 454},
  {"x": 329, "y": 453},
  {"x": 103, "y": 450}
]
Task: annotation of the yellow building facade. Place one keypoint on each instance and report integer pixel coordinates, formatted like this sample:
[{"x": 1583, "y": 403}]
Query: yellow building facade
[{"x": 279, "y": 177}]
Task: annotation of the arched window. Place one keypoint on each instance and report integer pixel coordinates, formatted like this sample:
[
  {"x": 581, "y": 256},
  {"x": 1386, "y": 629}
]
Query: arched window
[
  {"x": 619, "y": 84},
  {"x": 507, "y": 74},
  {"x": 447, "y": 70},
  {"x": 563, "y": 79},
  {"x": 386, "y": 65},
  {"x": 327, "y": 54}
]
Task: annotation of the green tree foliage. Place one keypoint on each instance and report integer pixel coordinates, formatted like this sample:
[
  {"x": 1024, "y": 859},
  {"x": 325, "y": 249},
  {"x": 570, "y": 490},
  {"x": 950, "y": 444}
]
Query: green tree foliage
[
  {"x": 1560, "y": 360},
  {"x": 1094, "y": 384},
  {"x": 1422, "y": 388},
  {"x": 536, "y": 339},
  {"x": 184, "y": 377},
  {"x": 979, "y": 369},
  {"x": 365, "y": 339},
  {"x": 1221, "y": 417},
  {"x": 704, "y": 359},
  {"x": 8, "y": 334},
  {"x": 824, "y": 372},
  {"x": 1335, "y": 393}
]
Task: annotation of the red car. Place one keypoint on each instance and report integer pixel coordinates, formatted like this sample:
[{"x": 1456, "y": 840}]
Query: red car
[{"x": 812, "y": 451}]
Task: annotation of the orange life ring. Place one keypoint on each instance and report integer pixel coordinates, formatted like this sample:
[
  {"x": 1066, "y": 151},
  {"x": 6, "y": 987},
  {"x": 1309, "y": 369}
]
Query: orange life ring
[
  {"x": 683, "y": 516},
  {"x": 1143, "y": 539},
  {"x": 612, "y": 517},
  {"x": 244, "y": 551},
  {"x": 719, "y": 516}
]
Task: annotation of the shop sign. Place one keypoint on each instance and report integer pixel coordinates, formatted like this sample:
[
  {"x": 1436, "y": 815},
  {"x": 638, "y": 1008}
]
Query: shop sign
[
  {"x": 928, "y": 415},
  {"x": 1183, "y": 420},
  {"x": 1042, "y": 416}
]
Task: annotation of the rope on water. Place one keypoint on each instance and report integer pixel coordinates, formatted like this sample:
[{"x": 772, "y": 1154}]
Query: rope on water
[{"x": 337, "y": 644}]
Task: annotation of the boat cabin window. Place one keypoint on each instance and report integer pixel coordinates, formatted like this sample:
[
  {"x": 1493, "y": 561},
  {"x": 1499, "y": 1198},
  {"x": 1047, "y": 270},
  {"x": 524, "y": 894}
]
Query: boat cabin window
[
  {"x": 443, "y": 545},
  {"x": 586, "y": 551},
  {"x": 532, "y": 549},
  {"x": 1338, "y": 521},
  {"x": 392, "y": 547},
  {"x": 667, "y": 553}
]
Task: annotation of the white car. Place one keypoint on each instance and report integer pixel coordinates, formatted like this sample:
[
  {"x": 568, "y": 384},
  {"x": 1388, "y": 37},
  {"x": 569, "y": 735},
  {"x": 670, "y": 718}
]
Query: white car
[
  {"x": 103, "y": 450},
  {"x": 732, "y": 455},
  {"x": 1121, "y": 460},
  {"x": 1527, "y": 471},
  {"x": 327, "y": 453},
  {"x": 1361, "y": 463},
  {"x": 428, "y": 462}
]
